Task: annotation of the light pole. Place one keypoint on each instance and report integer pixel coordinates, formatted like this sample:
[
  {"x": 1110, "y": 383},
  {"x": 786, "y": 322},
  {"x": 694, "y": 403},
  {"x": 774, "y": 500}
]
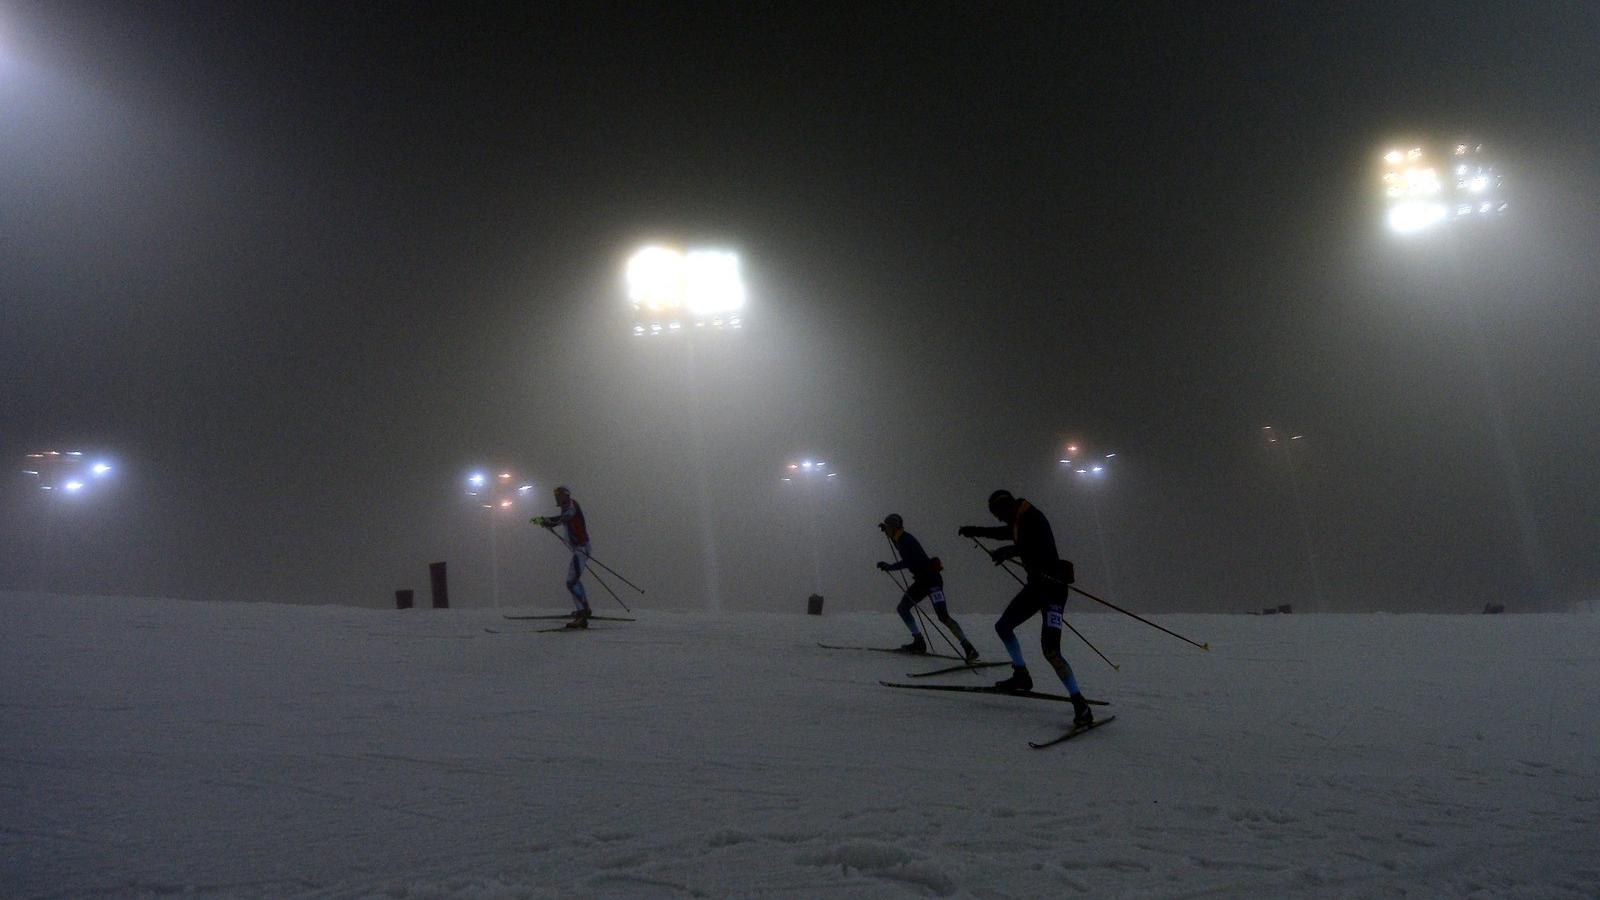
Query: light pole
[
  {"x": 812, "y": 473},
  {"x": 1091, "y": 468},
  {"x": 498, "y": 494},
  {"x": 682, "y": 295},
  {"x": 1458, "y": 201},
  {"x": 1289, "y": 444}
]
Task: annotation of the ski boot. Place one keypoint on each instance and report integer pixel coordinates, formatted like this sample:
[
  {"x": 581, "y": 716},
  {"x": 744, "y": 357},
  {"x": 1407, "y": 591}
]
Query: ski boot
[
  {"x": 917, "y": 645},
  {"x": 1082, "y": 713},
  {"x": 580, "y": 619},
  {"x": 969, "y": 651},
  {"x": 1020, "y": 680}
]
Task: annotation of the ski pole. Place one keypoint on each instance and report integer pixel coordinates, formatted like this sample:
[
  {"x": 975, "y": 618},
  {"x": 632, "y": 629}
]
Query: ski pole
[
  {"x": 1205, "y": 646},
  {"x": 1086, "y": 641},
  {"x": 613, "y": 594},
  {"x": 616, "y": 573},
  {"x": 596, "y": 575},
  {"x": 599, "y": 563}
]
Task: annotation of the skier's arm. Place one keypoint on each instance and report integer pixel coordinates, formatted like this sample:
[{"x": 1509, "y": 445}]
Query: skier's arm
[
  {"x": 997, "y": 533},
  {"x": 1001, "y": 554}
]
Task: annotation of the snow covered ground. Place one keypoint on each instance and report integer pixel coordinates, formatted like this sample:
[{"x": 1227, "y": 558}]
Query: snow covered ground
[{"x": 212, "y": 749}]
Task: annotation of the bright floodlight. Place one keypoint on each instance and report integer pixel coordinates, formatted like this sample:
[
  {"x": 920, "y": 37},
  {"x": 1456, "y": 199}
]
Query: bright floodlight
[
  {"x": 73, "y": 485},
  {"x": 670, "y": 289},
  {"x": 100, "y": 468}
]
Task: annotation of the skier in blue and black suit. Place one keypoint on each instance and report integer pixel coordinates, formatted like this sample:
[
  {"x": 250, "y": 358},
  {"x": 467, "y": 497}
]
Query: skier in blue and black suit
[
  {"x": 1034, "y": 543},
  {"x": 926, "y": 581}
]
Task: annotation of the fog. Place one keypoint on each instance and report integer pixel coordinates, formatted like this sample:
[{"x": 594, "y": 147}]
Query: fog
[{"x": 299, "y": 270}]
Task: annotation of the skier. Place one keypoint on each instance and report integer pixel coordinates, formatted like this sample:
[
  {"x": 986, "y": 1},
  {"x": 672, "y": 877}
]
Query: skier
[
  {"x": 571, "y": 519},
  {"x": 1044, "y": 592},
  {"x": 925, "y": 582}
]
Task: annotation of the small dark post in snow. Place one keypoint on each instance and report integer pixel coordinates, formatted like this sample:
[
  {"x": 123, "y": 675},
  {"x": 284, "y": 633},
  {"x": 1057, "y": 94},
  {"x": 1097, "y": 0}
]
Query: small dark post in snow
[
  {"x": 403, "y": 599},
  {"x": 814, "y": 605},
  {"x": 1286, "y": 608},
  {"x": 441, "y": 589},
  {"x": 1493, "y": 609}
]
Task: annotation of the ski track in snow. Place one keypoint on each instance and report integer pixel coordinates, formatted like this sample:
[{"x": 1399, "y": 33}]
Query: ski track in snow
[{"x": 154, "y": 747}]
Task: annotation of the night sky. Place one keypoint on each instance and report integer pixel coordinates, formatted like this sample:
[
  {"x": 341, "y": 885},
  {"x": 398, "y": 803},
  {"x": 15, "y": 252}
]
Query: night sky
[{"x": 298, "y": 269}]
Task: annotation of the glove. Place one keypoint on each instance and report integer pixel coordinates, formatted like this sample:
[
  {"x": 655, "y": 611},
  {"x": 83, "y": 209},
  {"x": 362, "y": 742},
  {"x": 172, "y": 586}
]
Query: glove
[
  {"x": 967, "y": 531},
  {"x": 540, "y": 521},
  {"x": 883, "y": 566}
]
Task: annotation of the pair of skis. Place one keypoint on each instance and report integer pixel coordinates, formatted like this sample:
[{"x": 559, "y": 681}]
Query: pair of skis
[
  {"x": 558, "y": 628},
  {"x": 1071, "y": 733},
  {"x": 962, "y": 664}
]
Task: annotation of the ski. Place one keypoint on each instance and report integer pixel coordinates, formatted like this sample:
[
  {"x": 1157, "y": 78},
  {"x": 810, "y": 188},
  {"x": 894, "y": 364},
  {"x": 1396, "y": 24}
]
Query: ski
[
  {"x": 1076, "y": 730},
  {"x": 970, "y": 667},
  {"x": 890, "y": 650},
  {"x": 974, "y": 689},
  {"x": 539, "y": 630},
  {"x": 569, "y": 615}
]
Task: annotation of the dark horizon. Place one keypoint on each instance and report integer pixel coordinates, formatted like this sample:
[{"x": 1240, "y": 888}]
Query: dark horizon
[{"x": 299, "y": 269}]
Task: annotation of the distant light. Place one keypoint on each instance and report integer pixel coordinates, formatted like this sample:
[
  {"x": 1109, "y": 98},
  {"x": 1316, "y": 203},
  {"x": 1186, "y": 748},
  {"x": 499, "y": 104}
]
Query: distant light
[
  {"x": 74, "y": 452},
  {"x": 1297, "y": 437},
  {"x": 831, "y": 474},
  {"x": 476, "y": 479},
  {"x": 525, "y": 488},
  {"x": 100, "y": 468},
  {"x": 1109, "y": 455},
  {"x": 788, "y": 479},
  {"x": 1082, "y": 471},
  {"x": 1099, "y": 469},
  {"x": 793, "y": 466},
  {"x": 73, "y": 485},
  {"x": 505, "y": 504},
  {"x": 1065, "y": 462},
  {"x": 806, "y": 464},
  {"x": 30, "y": 472},
  {"x": 1394, "y": 157},
  {"x": 1072, "y": 448}
]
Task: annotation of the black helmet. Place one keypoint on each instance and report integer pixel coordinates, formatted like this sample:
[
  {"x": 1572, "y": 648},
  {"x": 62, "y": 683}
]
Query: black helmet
[
  {"x": 1000, "y": 503},
  {"x": 892, "y": 522}
]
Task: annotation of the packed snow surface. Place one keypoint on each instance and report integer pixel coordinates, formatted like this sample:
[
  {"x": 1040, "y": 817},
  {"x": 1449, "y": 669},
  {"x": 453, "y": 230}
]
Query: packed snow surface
[{"x": 215, "y": 749}]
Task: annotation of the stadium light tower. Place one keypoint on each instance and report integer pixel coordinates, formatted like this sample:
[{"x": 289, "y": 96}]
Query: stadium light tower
[
  {"x": 499, "y": 493},
  {"x": 1091, "y": 469},
  {"x": 815, "y": 475},
  {"x": 1467, "y": 193},
  {"x": 679, "y": 295}
]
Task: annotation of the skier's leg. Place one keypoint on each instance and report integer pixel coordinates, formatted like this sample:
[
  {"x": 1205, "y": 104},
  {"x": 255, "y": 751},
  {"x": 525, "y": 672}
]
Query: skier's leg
[
  {"x": 1050, "y": 643},
  {"x": 936, "y": 596},
  {"x": 575, "y": 567},
  {"x": 904, "y": 609},
  {"x": 1016, "y": 612}
]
